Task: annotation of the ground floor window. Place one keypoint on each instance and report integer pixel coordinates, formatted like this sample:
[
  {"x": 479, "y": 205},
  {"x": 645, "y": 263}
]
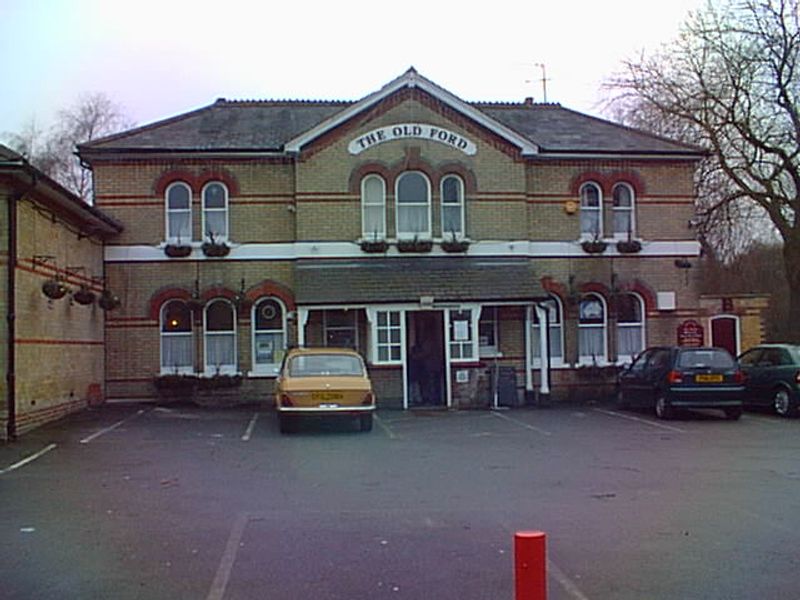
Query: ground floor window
[
  {"x": 269, "y": 335},
  {"x": 341, "y": 328},
  {"x": 219, "y": 325},
  {"x": 177, "y": 341},
  {"x": 461, "y": 338},
  {"x": 488, "y": 331},
  {"x": 630, "y": 326},
  {"x": 388, "y": 336},
  {"x": 592, "y": 330}
]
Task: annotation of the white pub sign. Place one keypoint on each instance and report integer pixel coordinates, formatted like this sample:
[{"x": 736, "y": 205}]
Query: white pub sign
[{"x": 420, "y": 131}]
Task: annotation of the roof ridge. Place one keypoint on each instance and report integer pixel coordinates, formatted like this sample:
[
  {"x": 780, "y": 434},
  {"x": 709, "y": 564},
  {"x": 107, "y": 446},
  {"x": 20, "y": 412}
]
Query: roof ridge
[{"x": 274, "y": 101}]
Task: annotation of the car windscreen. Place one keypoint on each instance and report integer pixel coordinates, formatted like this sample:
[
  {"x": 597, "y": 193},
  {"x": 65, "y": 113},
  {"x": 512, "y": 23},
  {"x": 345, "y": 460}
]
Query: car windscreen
[
  {"x": 711, "y": 358},
  {"x": 315, "y": 365}
]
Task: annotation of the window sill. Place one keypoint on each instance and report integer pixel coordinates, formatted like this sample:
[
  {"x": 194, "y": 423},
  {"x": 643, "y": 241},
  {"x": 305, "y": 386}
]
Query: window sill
[{"x": 263, "y": 374}]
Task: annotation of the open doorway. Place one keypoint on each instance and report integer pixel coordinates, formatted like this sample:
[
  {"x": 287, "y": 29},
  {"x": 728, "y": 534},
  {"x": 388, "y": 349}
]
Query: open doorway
[
  {"x": 426, "y": 361},
  {"x": 725, "y": 333}
]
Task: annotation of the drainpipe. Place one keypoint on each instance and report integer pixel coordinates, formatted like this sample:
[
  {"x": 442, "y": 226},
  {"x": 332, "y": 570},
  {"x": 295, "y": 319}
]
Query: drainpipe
[{"x": 11, "y": 266}]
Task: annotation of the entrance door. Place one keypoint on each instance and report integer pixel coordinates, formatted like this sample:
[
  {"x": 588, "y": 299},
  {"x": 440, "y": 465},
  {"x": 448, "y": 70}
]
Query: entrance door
[
  {"x": 426, "y": 360},
  {"x": 724, "y": 334}
]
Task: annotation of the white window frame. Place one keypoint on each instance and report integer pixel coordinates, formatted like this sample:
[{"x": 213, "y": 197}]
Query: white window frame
[
  {"x": 598, "y": 209},
  {"x": 370, "y": 235},
  {"x": 267, "y": 369},
  {"x": 491, "y": 315},
  {"x": 631, "y": 210},
  {"x": 173, "y": 370},
  {"x": 225, "y": 235},
  {"x": 588, "y": 359},
  {"x": 326, "y": 327},
  {"x": 407, "y": 235},
  {"x": 227, "y": 369},
  {"x": 555, "y": 330},
  {"x": 168, "y": 212},
  {"x": 461, "y": 233},
  {"x": 471, "y": 343},
  {"x": 627, "y": 358},
  {"x": 376, "y": 328}
]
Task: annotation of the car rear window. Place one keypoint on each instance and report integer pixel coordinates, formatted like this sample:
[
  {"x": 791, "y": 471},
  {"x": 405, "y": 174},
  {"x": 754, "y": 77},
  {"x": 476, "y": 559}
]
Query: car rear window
[
  {"x": 713, "y": 358},
  {"x": 314, "y": 365}
]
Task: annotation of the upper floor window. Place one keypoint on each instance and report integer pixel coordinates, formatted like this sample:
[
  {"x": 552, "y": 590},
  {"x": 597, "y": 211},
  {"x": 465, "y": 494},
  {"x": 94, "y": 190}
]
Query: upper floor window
[
  {"x": 215, "y": 211},
  {"x": 220, "y": 337},
  {"x": 177, "y": 342},
  {"x": 591, "y": 210},
  {"x": 179, "y": 212},
  {"x": 623, "y": 211},
  {"x": 452, "y": 206},
  {"x": 592, "y": 347},
  {"x": 555, "y": 333},
  {"x": 373, "y": 207},
  {"x": 413, "y": 205},
  {"x": 630, "y": 326},
  {"x": 269, "y": 335}
]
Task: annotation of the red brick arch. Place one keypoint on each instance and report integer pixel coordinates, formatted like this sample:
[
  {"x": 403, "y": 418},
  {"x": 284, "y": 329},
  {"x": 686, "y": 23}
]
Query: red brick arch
[
  {"x": 271, "y": 288},
  {"x": 163, "y": 296}
]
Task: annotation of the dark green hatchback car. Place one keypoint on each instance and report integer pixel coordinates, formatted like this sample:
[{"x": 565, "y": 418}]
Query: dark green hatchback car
[{"x": 772, "y": 377}]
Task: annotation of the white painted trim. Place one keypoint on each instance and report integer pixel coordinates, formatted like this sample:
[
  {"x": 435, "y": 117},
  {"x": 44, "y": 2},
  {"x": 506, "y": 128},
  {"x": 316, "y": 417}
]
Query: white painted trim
[
  {"x": 488, "y": 248},
  {"x": 412, "y": 79}
]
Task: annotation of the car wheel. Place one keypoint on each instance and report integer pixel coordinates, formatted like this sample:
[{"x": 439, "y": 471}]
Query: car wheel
[
  {"x": 733, "y": 414},
  {"x": 663, "y": 408},
  {"x": 782, "y": 403},
  {"x": 366, "y": 422},
  {"x": 287, "y": 424}
]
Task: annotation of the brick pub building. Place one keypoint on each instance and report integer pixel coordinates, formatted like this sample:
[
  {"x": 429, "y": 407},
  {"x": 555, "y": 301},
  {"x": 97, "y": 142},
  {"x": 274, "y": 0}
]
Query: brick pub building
[{"x": 474, "y": 253}]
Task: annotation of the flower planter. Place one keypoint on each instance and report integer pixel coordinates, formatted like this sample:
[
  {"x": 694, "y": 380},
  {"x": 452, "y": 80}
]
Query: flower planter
[
  {"x": 374, "y": 246},
  {"x": 83, "y": 296},
  {"x": 414, "y": 245},
  {"x": 176, "y": 388},
  {"x": 629, "y": 246},
  {"x": 455, "y": 246},
  {"x": 594, "y": 246},
  {"x": 54, "y": 289},
  {"x": 177, "y": 250},
  {"x": 215, "y": 249}
]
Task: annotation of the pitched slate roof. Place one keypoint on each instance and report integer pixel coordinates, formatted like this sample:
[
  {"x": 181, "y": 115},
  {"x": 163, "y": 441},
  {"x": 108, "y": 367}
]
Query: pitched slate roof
[
  {"x": 388, "y": 280},
  {"x": 272, "y": 126}
]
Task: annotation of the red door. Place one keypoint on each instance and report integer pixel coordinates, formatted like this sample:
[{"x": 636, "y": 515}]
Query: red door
[{"x": 723, "y": 334}]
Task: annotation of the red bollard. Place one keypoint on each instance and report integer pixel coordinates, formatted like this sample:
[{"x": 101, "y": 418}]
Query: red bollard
[{"x": 530, "y": 565}]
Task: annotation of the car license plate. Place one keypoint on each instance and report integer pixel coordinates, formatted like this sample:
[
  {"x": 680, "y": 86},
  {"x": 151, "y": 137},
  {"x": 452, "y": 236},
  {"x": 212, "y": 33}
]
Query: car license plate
[
  {"x": 326, "y": 396},
  {"x": 708, "y": 378}
]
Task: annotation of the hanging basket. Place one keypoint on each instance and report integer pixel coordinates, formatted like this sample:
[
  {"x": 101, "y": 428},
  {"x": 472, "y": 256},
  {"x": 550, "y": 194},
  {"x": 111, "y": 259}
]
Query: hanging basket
[
  {"x": 54, "y": 289},
  {"x": 83, "y": 296},
  {"x": 108, "y": 301},
  {"x": 215, "y": 249}
]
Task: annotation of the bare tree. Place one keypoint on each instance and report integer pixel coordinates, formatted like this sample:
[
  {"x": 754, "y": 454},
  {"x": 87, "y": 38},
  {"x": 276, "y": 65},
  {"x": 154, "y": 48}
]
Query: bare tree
[
  {"x": 731, "y": 84},
  {"x": 53, "y": 152}
]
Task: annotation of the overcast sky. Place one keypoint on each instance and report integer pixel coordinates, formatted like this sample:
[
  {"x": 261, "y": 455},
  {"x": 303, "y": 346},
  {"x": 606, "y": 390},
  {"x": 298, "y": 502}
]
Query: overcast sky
[{"x": 158, "y": 58}]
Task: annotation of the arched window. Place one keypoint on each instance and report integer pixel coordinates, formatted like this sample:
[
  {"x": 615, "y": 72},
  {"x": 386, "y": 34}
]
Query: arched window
[
  {"x": 215, "y": 211},
  {"x": 220, "y": 337},
  {"x": 413, "y": 197},
  {"x": 591, "y": 211},
  {"x": 592, "y": 348},
  {"x": 373, "y": 207},
  {"x": 269, "y": 335},
  {"x": 177, "y": 342},
  {"x": 623, "y": 211},
  {"x": 179, "y": 212},
  {"x": 630, "y": 326},
  {"x": 452, "y": 207},
  {"x": 556, "y": 333}
]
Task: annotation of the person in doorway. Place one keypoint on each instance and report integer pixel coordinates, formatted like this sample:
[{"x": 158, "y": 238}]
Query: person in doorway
[{"x": 431, "y": 374}]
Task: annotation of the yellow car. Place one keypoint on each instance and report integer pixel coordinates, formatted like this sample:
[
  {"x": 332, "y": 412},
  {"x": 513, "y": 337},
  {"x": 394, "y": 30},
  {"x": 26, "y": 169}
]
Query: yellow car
[{"x": 323, "y": 382}]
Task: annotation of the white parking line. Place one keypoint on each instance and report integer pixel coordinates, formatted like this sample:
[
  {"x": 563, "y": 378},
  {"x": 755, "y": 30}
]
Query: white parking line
[
  {"x": 638, "y": 420},
  {"x": 249, "y": 431},
  {"x": 28, "y": 459},
  {"x": 521, "y": 423},
  {"x": 565, "y": 582},
  {"x": 392, "y": 435},
  {"x": 217, "y": 591},
  {"x": 97, "y": 434}
]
